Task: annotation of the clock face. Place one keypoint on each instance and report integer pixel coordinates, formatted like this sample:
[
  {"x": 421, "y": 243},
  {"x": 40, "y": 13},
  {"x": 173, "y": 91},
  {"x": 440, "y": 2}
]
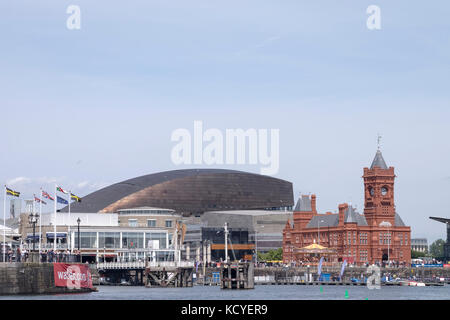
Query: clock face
[
  {"x": 372, "y": 191},
  {"x": 384, "y": 191}
]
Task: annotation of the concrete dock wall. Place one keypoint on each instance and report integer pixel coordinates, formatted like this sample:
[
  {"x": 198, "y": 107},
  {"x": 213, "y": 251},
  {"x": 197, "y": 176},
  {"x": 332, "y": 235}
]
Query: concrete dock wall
[
  {"x": 30, "y": 278},
  {"x": 350, "y": 272}
]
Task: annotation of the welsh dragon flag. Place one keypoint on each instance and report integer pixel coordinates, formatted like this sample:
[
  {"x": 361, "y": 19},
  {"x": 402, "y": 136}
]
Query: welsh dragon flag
[{"x": 61, "y": 190}]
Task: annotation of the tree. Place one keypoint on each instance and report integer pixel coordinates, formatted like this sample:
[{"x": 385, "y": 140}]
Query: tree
[
  {"x": 437, "y": 248},
  {"x": 272, "y": 255},
  {"x": 417, "y": 254}
]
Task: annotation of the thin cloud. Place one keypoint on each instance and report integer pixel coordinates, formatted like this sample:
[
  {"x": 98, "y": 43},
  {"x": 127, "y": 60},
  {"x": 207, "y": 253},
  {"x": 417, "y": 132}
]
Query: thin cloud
[{"x": 267, "y": 42}]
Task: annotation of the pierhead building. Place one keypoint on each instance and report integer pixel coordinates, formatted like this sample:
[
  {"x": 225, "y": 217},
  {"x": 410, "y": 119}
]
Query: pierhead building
[{"x": 377, "y": 235}]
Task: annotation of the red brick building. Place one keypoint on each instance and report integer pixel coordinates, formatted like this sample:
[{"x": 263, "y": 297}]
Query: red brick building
[{"x": 377, "y": 235}]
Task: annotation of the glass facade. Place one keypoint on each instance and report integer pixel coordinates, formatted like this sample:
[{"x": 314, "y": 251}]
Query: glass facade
[
  {"x": 132, "y": 240},
  {"x": 87, "y": 240},
  {"x": 160, "y": 237},
  {"x": 109, "y": 240}
]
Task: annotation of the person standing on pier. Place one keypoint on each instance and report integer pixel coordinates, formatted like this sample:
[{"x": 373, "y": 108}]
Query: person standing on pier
[{"x": 18, "y": 255}]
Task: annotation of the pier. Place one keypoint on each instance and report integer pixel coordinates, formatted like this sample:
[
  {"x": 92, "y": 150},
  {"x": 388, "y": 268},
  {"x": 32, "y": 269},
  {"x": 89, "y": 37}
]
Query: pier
[
  {"x": 237, "y": 276},
  {"x": 149, "y": 273}
]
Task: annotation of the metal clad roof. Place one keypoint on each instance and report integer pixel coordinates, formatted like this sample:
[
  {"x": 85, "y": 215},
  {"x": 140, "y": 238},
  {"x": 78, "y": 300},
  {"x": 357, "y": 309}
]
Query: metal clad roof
[{"x": 191, "y": 190}]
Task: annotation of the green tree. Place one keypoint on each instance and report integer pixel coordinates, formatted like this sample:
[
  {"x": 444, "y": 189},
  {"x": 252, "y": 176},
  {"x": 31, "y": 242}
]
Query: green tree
[
  {"x": 437, "y": 248},
  {"x": 417, "y": 254},
  {"x": 271, "y": 255}
]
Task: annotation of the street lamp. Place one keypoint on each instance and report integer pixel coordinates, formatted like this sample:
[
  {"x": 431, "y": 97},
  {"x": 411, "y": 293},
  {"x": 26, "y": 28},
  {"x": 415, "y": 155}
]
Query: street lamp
[
  {"x": 33, "y": 219},
  {"x": 318, "y": 229},
  {"x": 79, "y": 221},
  {"x": 256, "y": 244},
  {"x": 387, "y": 225}
]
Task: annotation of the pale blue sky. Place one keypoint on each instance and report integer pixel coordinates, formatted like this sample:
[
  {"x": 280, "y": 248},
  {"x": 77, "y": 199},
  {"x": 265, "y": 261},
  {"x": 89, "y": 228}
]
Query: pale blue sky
[{"x": 95, "y": 106}]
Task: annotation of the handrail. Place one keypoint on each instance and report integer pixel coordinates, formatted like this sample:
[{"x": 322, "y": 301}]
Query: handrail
[{"x": 143, "y": 264}]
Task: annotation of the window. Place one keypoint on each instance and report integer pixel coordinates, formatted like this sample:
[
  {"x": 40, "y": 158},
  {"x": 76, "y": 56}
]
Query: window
[
  {"x": 169, "y": 223},
  {"x": 156, "y": 240},
  {"x": 151, "y": 223},
  {"x": 132, "y": 223},
  {"x": 109, "y": 240},
  {"x": 87, "y": 239},
  {"x": 132, "y": 240}
]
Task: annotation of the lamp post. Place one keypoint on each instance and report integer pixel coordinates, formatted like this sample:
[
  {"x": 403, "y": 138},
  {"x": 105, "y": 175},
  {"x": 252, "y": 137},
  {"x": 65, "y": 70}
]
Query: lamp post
[
  {"x": 79, "y": 221},
  {"x": 387, "y": 225},
  {"x": 318, "y": 229},
  {"x": 33, "y": 219},
  {"x": 256, "y": 244}
]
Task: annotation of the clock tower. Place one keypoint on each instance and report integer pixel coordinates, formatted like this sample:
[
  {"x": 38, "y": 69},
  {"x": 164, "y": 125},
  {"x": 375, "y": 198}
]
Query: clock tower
[{"x": 379, "y": 205}]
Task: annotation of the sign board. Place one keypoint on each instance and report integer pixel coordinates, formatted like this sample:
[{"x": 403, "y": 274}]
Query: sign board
[
  {"x": 427, "y": 265},
  {"x": 153, "y": 244},
  {"x": 72, "y": 276}
]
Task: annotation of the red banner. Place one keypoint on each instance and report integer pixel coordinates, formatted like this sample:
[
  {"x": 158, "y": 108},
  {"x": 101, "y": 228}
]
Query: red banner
[{"x": 72, "y": 276}]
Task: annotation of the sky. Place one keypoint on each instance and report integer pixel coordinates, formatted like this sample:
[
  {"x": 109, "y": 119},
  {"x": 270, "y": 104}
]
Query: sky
[{"x": 90, "y": 107}]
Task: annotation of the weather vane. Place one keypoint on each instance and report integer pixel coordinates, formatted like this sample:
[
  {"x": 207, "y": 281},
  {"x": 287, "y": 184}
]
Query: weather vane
[{"x": 379, "y": 141}]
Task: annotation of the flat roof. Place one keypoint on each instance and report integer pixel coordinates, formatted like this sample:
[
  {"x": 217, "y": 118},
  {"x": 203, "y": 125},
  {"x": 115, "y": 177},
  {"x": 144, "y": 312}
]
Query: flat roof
[{"x": 251, "y": 212}]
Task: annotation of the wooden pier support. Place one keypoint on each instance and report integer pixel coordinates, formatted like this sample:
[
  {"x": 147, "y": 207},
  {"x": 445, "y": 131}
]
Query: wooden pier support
[
  {"x": 237, "y": 276},
  {"x": 168, "y": 277}
]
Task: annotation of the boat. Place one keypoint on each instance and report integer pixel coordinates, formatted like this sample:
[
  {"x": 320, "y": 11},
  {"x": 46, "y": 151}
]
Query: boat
[{"x": 412, "y": 283}]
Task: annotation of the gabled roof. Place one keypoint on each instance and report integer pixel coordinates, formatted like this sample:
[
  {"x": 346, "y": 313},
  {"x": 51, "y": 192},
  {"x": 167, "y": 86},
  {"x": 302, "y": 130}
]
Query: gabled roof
[
  {"x": 378, "y": 161},
  {"x": 352, "y": 216},
  {"x": 398, "y": 221},
  {"x": 329, "y": 220},
  {"x": 332, "y": 220},
  {"x": 303, "y": 204}
]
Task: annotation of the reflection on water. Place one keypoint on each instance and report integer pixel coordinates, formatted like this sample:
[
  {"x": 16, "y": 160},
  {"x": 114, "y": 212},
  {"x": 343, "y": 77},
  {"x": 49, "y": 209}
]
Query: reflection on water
[{"x": 259, "y": 293}]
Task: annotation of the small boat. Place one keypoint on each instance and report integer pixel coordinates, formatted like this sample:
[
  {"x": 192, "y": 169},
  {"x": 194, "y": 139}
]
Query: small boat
[{"x": 411, "y": 283}]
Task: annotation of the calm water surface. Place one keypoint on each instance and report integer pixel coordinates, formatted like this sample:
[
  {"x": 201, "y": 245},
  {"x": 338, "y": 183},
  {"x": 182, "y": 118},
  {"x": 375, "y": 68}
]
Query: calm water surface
[{"x": 259, "y": 293}]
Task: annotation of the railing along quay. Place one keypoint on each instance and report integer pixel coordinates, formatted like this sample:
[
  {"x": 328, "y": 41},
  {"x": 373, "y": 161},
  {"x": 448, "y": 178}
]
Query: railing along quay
[
  {"x": 143, "y": 265},
  {"x": 334, "y": 283}
]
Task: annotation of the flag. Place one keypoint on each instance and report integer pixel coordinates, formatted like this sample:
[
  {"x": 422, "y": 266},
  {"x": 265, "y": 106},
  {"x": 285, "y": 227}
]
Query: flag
[
  {"x": 12, "y": 193},
  {"x": 319, "y": 270},
  {"x": 343, "y": 268},
  {"x": 39, "y": 200},
  {"x": 61, "y": 200},
  {"x": 74, "y": 197},
  {"x": 46, "y": 195},
  {"x": 61, "y": 190}
]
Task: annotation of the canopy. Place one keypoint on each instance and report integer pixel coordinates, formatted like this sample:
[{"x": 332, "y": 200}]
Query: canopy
[{"x": 316, "y": 248}]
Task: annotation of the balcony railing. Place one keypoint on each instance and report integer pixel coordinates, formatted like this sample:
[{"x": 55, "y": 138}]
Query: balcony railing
[{"x": 143, "y": 264}]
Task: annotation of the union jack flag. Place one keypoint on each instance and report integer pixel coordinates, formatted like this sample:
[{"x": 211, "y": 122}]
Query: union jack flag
[
  {"x": 46, "y": 195},
  {"x": 39, "y": 200}
]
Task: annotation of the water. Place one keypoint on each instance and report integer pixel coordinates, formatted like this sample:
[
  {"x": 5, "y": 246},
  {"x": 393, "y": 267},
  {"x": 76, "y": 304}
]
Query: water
[{"x": 259, "y": 293}]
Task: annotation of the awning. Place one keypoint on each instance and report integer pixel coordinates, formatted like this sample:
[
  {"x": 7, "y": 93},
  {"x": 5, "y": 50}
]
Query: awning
[
  {"x": 31, "y": 237},
  {"x": 58, "y": 235}
]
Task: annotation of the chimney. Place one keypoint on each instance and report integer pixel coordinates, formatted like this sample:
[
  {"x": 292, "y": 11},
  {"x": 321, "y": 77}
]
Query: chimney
[
  {"x": 313, "y": 203},
  {"x": 342, "y": 209}
]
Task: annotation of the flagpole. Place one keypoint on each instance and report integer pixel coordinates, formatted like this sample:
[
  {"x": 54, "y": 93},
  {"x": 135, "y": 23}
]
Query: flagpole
[
  {"x": 68, "y": 234},
  {"x": 54, "y": 223},
  {"x": 32, "y": 212},
  {"x": 4, "y": 227},
  {"x": 40, "y": 222}
]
